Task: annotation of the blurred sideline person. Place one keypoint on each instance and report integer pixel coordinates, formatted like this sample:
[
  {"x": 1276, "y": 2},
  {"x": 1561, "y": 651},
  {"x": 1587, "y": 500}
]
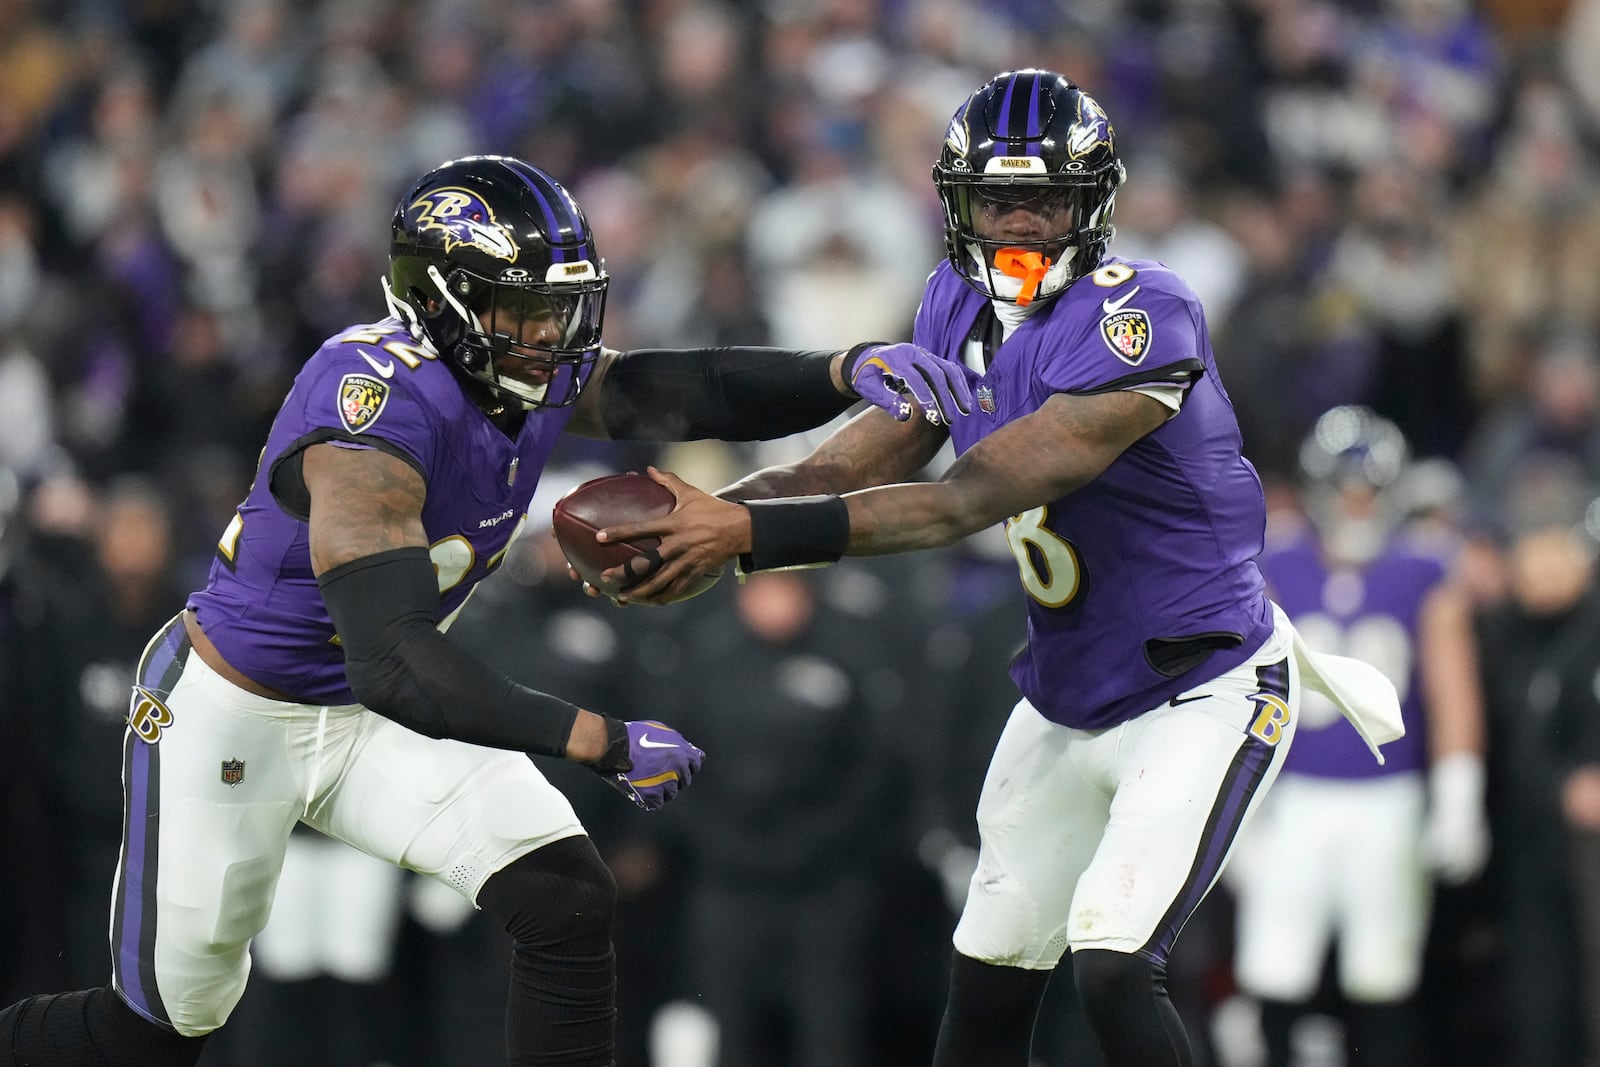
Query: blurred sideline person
[
  {"x": 100, "y": 616},
  {"x": 1345, "y": 850},
  {"x": 311, "y": 679},
  {"x": 1540, "y": 698},
  {"x": 769, "y": 878},
  {"x": 1160, "y": 685}
]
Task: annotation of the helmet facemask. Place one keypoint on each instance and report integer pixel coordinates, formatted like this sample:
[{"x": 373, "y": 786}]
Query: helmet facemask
[
  {"x": 528, "y": 341},
  {"x": 1075, "y": 213}
]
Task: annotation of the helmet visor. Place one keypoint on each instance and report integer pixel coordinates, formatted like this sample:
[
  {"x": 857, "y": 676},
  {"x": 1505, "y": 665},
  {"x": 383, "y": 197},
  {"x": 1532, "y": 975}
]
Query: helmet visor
[{"x": 540, "y": 339}]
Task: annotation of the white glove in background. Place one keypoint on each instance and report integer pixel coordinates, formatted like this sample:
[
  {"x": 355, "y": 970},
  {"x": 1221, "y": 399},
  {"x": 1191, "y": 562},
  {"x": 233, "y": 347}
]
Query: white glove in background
[{"x": 1455, "y": 836}]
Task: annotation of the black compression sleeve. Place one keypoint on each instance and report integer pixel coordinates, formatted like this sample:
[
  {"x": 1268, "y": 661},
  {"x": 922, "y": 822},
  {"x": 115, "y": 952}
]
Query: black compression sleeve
[
  {"x": 732, "y": 394},
  {"x": 399, "y": 664}
]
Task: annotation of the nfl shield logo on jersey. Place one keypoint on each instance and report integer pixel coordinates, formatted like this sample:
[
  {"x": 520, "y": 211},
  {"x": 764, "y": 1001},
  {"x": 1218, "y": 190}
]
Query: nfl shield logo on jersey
[
  {"x": 232, "y": 771},
  {"x": 1127, "y": 333},
  {"x": 985, "y": 400}
]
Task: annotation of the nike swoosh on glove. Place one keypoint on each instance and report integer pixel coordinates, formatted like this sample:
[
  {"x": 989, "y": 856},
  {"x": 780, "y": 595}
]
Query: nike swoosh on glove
[
  {"x": 660, "y": 762},
  {"x": 901, "y": 378}
]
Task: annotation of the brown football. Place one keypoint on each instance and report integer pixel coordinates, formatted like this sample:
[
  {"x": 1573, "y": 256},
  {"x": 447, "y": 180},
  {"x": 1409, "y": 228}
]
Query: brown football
[{"x": 612, "y": 501}]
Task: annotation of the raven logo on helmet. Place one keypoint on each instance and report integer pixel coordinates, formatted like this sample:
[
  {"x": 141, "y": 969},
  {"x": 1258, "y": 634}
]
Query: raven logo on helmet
[
  {"x": 956, "y": 137},
  {"x": 465, "y": 220},
  {"x": 1091, "y": 130}
]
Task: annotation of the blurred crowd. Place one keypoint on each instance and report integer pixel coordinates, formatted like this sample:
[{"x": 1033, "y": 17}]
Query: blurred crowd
[{"x": 1393, "y": 203}]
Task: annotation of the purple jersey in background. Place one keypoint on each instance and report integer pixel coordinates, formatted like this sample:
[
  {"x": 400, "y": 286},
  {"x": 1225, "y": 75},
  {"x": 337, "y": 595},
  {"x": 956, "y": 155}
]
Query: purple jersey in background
[
  {"x": 372, "y": 385},
  {"x": 1161, "y": 546},
  {"x": 1371, "y": 614}
]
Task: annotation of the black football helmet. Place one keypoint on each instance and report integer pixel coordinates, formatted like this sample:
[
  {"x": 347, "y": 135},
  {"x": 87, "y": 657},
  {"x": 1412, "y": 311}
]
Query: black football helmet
[
  {"x": 1033, "y": 138},
  {"x": 492, "y": 260}
]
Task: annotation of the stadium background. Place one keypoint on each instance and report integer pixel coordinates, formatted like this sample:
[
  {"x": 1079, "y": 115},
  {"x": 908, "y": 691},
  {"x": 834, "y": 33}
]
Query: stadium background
[{"x": 1390, "y": 202}]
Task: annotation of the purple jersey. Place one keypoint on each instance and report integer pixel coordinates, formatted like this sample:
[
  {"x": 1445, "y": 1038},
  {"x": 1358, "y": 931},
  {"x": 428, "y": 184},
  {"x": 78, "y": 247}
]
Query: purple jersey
[
  {"x": 1126, "y": 573},
  {"x": 1370, "y": 614},
  {"x": 375, "y": 386}
]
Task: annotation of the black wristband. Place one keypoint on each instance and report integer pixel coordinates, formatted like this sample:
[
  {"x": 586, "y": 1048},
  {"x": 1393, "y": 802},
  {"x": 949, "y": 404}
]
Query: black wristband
[
  {"x": 852, "y": 356},
  {"x": 796, "y": 532},
  {"x": 617, "y": 759}
]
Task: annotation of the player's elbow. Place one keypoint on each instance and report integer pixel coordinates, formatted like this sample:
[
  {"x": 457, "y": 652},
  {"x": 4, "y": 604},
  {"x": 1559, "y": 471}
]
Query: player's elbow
[{"x": 384, "y": 685}]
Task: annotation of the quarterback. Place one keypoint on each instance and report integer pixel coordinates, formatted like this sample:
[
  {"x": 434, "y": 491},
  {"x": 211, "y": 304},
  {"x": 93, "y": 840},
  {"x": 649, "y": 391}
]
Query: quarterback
[{"x": 1160, "y": 687}]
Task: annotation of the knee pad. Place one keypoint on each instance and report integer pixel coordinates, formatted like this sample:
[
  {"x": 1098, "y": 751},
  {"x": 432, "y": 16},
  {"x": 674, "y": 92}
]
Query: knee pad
[
  {"x": 559, "y": 893},
  {"x": 557, "y": 902},
  {"x": 89, "y": 1028},
  {"x": 1003, "y": 923}
]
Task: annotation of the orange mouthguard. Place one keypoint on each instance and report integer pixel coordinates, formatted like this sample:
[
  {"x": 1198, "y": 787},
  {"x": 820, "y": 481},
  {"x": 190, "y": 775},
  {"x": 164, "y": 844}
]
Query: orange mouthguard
[{"x": 1021, "y": 263}]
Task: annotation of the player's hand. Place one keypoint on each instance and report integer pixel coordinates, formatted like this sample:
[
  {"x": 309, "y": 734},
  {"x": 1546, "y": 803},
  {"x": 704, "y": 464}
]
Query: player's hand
[
  {"x": 647, "y": 761},
  {"x": 1455, "y": 837},
  {"x": 589, "y": 590},
  {"x": 903, "y": 377},
  {"x": 699, "y": 537}
]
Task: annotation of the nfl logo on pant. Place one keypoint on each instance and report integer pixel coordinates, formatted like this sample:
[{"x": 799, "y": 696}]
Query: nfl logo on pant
[{"x": 232, "y": 771}]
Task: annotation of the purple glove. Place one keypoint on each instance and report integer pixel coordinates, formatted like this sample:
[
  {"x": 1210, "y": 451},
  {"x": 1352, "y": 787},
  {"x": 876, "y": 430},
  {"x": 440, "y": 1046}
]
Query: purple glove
[
  {"x": 647, "y": 761},
  {"x": 895, "y": 377}
]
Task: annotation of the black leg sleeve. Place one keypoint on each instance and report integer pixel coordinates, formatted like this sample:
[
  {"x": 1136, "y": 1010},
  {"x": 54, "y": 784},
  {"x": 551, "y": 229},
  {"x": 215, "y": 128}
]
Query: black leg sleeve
[
  {"x": 89, "y": 1028},
  {"x": 558, "y": 903},
  {"x": 1384, "y": 1034},
  {"x": 989, "y": 1015},
  {"x": 1126, "y": 999},
  {"x": 1277, "y": 1027}
]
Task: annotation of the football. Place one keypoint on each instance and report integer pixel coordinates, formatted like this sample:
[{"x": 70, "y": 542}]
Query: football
[{"x": 611, "y": 501}]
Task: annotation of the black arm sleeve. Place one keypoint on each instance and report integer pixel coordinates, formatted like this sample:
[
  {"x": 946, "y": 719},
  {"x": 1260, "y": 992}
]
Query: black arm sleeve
[
  {"x": 731, "y": 394},
  {"x": 399, "y": 664}
]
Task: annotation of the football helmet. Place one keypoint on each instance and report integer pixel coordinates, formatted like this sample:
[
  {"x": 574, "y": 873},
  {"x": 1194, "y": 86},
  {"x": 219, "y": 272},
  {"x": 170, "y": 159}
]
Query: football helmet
[
  {"x": 1349, "y": 464},
  {"x": 492, "y": 261},
  {"x": 1028, "y": 138}
]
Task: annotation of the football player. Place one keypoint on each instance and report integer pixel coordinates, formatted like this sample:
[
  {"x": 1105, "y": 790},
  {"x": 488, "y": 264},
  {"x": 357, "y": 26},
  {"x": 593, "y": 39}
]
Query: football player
[
  {"x": 311, "y": 680},
  {"x": 1345, "y": 851},
  {"x": 1160, "y": 686}
]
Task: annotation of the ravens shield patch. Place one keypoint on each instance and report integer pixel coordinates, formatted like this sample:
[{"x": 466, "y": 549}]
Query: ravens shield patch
[
  {"x": 1127, "y": 333},
  {"x": 361, "y": 400}
]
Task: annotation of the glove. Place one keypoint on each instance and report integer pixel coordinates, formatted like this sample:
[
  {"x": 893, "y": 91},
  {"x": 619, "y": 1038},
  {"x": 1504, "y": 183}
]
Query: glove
[
  {"x": 895, "y": 377},
  {"x": 1455, "y": 837},
  {"x": 647, "y": 761}
]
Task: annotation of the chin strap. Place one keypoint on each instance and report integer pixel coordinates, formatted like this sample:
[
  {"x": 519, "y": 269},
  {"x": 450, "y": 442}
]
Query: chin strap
[{"x": 406, "y": 314}]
